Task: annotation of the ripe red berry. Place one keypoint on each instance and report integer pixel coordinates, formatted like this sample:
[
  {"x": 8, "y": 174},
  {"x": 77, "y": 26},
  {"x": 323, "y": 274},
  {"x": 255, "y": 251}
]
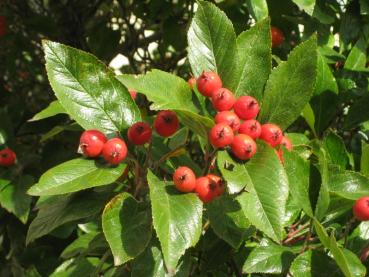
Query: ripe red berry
[
  {"x": 250, "y": 127},
  {"x": 223, "y": 99},
  {"x": 139, "y": 133},
  {"x": 243, "y": 147},
  {"x": 277, "y": 36},
  {"x": 246, "y": 107},
  {"x": 92, "y": 142},
  {"x": 7, "y": 157},
  {"x": 114, "y": 151},
  {"x": 205, "y": 189},
  {"x": 286, "y": 143},
  {"x": 271, "y": 134},
  {"x": 361, "y": 208},
  {"x": 191, "y": 82},
  {"x": 229, "y": 118},
  {"x": 166, "y": 123},
  {"x": 3, "y": 26},
  {"x": 218, "y": 182},
  {"x": 133, "y": 93},
  {"x": 221, "y": 135},
  {"x": 208, "y": 82},
  {"x": 184, "y": 179}
]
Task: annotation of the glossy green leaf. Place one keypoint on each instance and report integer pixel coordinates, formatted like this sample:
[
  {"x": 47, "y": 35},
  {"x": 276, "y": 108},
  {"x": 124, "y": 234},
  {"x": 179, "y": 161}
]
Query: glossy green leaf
[
  {"x": 265, "y": 202},
  {"x": 197, "y": 123},
  {"x": 322, "y": 204},
  {"x": 356, "y": 60},
  {"x": 77, "y": 267},
  {"x": 290, "y": 85},
  {"x": 233, "y": 172},
  {"x": 14, "y": 199},
  {"x": 209, "y": 30},
  {"x": 75, "y": 175},
  {"x": 127, "y": 227},
  {"x": 272, "y": 259},
  {"x": 336, "y": 150},
  {"x": 298, "y": 171},
  {"x": 78, "y": 246},
  {"x": 54, "y": 108},
  {"x": 258, "y": 8},
  {"x": 63, "y": 209},
  {"x": 228, "y": 220},
  {"x": 314, "y": 263},
  {"x": 364, "y": 162},
  {"x": 177, "y": 219},
  {"x": 306, "y": 5},
  {"x": 254, "y": 60},
  {"x": 88, "y": 90}
]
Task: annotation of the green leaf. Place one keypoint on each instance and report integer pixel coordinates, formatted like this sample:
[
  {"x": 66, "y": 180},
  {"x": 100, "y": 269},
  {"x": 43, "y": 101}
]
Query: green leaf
[
  {"x": 271, "y": 259},
  {"x": 308, "y": 114},
  {"x": 14, "y": 199},
  {"x": 254, "y": 60},
  {"x": 322, "y": 204},
  {"x": 290, "y": 85},
  {"x": 258, "y": 8},
  {"x": 77, "y": 267},
  {"x": 78, "y": 246},
  {"x": 314, "y": 263},
  {"x": 75, "y": 175},
  {"x": 127, "y": 227},
  {"x": 306, "y": 5},
  {"x": 356, "y": 60},
  {"x": 212, "y": 43},
  {"x": 298, "y": 171},
  {"x": 364, "y": 162},
  {"x": 233, "y": 172},
  {"x": 88, "y": 90},
  {"x": 358, "y": 113},
  {"x": 165, "y": 90},
  {"x": 228, "y": 220},
  {"x": 177, "y": 219},
  {"x": 63, "y": 209},
  {"x": 54, "y": 108},
  {"x": 336, "y": 150},
  {"x": 197, "y": 123},
  {"x": 265, "y": 203}
]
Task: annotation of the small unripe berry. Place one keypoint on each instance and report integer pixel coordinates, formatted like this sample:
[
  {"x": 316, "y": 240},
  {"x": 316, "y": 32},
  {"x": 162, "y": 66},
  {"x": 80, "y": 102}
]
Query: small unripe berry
[
  {"x": 271, "y": 134},
  {"x": 208, "y": 82},
  {"x": 243, "y": 147},
  {"x": 223, "y": 99},
  {"x": 166, "y": 123},
  {"x": 184, "y": 179},
  {"x": 286, "y": 143},
  {"x": 361, "y": 208},
  {"x": 7, "y": 157},
  {"x": 133, "y": 93},
  {"x": 191, "y": 82},
  {"x": 114, "y": 151},
  {"x": 229, "y": 118},
  {"x": 205, "y": 189},
  {"x": 246, "y": 107},
  {"x": 250, "y": 127},
  {"x": 92, "y": 142},
  {"x": 139, "y": 133},
  {"x": 218, "y": 182},
  {"x": 221, "y": 135},
  {"x": 277, "y": 36}
]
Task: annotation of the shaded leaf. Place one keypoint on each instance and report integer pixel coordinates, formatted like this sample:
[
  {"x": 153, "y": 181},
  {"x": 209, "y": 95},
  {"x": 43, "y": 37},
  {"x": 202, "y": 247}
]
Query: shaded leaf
[
  {"x": 258, "y": 8},
  {"x": 54, "y": 108}
]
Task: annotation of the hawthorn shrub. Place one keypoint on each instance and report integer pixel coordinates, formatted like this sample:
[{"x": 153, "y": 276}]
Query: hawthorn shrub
[{"x": 282, "y": 182}]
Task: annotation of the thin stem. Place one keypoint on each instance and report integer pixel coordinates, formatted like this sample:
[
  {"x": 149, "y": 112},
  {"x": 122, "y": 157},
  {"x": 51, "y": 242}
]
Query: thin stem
[
  {"x": 209, "y": 160},
  {"x": 347, "y": 230},
  {"x": 292, "y": 235},
  {"x": 308, "y": 237}
]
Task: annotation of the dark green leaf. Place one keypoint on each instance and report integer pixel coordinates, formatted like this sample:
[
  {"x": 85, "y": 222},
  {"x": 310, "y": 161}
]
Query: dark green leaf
[
  {"x": 356, "y": 60},
  {"x": 258, "y": 8},
  {"x": 77, "y": 267},
  {"x": 53, "y": 109},
  {"x": 197, "y": 123},
  {"x": 358, "y": 113},
  {"x": 364, "y": 163},
  {"x": 336, "y": 150},
  {"x": 322, "y": 204},
  {"x": 78, "y": 246}
]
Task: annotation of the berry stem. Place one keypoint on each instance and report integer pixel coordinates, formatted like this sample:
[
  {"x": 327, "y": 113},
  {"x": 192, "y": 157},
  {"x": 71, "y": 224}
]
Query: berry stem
[
  {"x": 209, "y": 159},
  {"x": 347, "y": 230}
]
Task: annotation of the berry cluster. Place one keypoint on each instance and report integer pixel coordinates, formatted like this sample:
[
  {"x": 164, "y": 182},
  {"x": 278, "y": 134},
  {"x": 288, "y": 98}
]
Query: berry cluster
[
  {"x": 229, "y": 130},
  {"x": 7, "y": 157},
  {"x": 207, "y": 187}
]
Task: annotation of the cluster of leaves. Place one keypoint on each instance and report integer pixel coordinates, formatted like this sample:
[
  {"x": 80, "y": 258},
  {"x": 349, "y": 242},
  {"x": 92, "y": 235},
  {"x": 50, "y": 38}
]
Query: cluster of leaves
[{"x": 274, "y": 219}]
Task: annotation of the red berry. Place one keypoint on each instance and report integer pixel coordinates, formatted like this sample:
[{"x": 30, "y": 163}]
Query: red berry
[
  {"x": 286, "y": 143},
  {"x": 7, "y": 157},
  {"x": 166, "y": 123},
  {"x": 208, "y": 82},
  {"x": 250, "y": 127},
  {"x": 205, "y": 189},
  {"x": 223, "y": 99},
  {"x": 191, "y": 82},
  {"x": 184, "y": 179},
  {"x": 361, "y": 208},
  {"x": 114, "y": 151},
  {"x": 229, "y": 118},
  {"x": 246, "y": 107},
  {"x": 3, "y": 26},
  {"x": 133, "y": 93},
  {"x": 221, "y": 135},
  {"x": 92, "y": 142},
  {"x": 139, "y": 133},
  {"x": 271, "y": 134},
  {"x": 277, "y": 36},
  {"x": 243, "y": 147},
  {"x": 218, "y": 182}
]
